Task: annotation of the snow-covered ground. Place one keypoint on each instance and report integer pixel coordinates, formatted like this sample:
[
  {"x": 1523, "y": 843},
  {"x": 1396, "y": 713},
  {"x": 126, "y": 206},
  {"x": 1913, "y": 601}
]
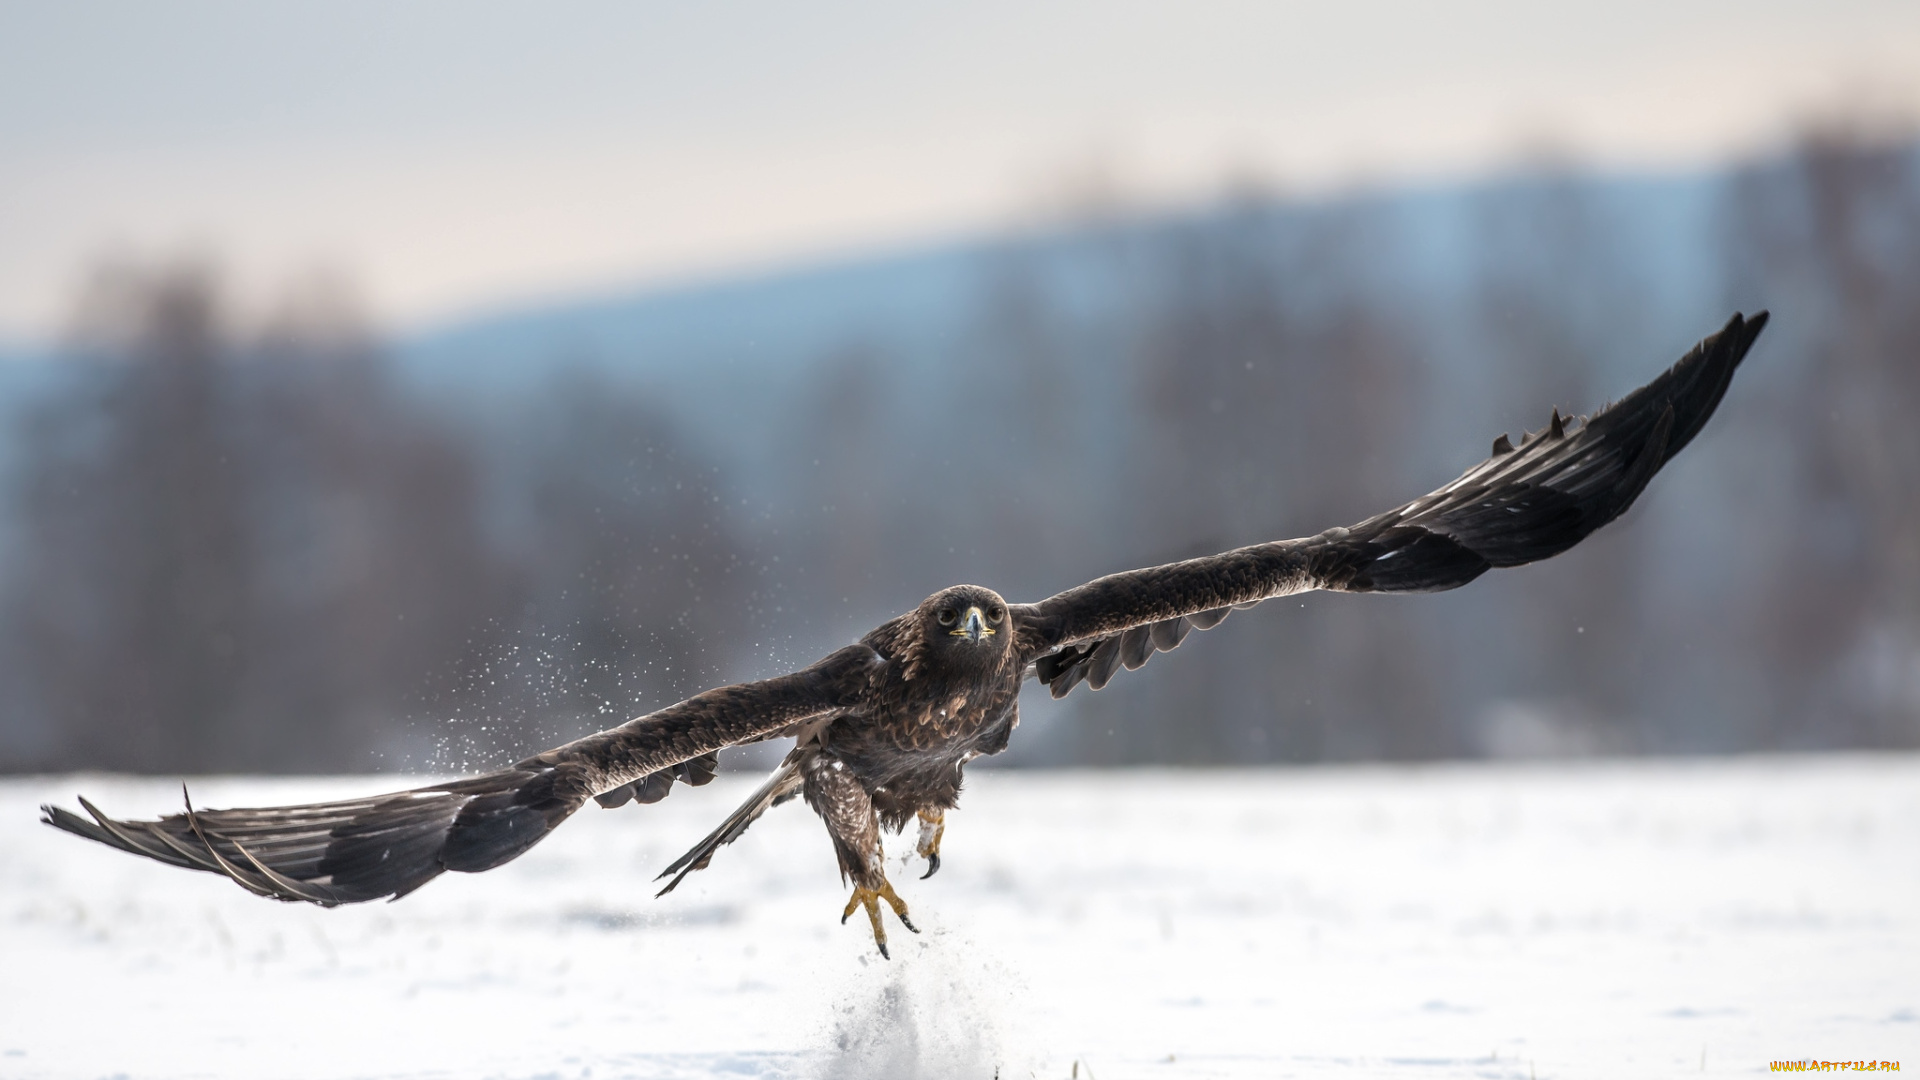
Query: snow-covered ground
[{"x": 1608, "y": 920}]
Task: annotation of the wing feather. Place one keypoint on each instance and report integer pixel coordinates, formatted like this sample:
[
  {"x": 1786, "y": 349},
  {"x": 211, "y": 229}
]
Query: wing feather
[
  {"x": 353, "y": 850},
  {"x": 1523, "y": 504},
  {"x": 1169, "y": 633}
]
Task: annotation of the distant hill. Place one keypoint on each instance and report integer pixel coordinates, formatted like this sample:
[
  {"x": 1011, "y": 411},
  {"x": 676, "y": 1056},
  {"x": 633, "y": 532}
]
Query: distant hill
[{"x": 729, "y": 355}]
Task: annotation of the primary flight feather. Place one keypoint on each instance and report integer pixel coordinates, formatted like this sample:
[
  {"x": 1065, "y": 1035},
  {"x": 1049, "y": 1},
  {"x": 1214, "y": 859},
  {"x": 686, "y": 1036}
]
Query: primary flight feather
[{"x": 884, "y": 727}]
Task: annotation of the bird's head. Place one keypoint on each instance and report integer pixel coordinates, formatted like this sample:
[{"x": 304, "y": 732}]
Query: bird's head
[{"x": 967, "y": 622}]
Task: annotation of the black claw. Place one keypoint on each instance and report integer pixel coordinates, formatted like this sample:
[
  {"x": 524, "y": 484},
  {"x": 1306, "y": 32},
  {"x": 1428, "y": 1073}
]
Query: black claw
[
  {"x": 933, "y": 866},
  {"x": 908, "y": 923},
  {"x": 884, "y": 955},
  {"x": 844, "y": 918}
]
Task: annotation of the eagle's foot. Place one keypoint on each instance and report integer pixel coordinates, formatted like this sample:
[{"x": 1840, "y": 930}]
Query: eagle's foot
[
  {"x": 870, "y": 899},
  {"x": 933, "y": 826}
]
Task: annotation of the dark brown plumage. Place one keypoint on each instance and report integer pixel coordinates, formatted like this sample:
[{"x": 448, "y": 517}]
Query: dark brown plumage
[{"x": 884, "y": 727}]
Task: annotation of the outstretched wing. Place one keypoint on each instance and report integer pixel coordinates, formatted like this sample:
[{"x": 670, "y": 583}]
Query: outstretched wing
[
  {"x": 1523, "y": 504},
  {"x": 389, "y": 845}
]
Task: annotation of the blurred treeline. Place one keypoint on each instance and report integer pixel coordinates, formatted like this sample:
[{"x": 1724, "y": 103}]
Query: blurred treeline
[
  {"x": 241, "y": 548},
  {"x": 238, "y": 541}
]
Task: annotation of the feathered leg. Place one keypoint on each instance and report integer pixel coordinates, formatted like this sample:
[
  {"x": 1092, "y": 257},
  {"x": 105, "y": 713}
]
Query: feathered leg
[{"x": 836, "y": 795}]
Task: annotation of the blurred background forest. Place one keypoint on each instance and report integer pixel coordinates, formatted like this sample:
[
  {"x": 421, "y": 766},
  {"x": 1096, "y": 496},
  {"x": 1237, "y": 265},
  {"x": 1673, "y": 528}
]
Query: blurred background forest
[
  {"x": 408, "y": 387},
  {"x": 265, "y": 537}
]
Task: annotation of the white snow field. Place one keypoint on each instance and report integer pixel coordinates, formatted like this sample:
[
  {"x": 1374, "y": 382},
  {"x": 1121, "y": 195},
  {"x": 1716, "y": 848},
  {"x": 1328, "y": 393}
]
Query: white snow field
[{"x": 1597, "y": 920}]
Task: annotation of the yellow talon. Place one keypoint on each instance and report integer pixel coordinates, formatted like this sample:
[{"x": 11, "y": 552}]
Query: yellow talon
[
  {"x": 933, "y": 826},
  {"x": 870, "y": 899}
]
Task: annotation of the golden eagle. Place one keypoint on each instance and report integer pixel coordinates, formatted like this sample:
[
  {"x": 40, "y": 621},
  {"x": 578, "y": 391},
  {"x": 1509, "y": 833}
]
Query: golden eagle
[{"x": 884, "y": 727}]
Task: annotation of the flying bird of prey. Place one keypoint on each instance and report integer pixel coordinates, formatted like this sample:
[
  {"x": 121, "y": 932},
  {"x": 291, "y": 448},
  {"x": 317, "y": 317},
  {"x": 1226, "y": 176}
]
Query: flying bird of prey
[{"x": 884, "y": 727}]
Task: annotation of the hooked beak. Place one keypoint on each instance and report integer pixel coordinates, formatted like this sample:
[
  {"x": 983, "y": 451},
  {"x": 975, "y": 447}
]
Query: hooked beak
[{"x": 973, "y": 627}]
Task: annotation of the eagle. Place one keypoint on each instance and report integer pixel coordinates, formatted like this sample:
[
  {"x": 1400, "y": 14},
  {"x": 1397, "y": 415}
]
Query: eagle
[{"x": 884, "y": 728}]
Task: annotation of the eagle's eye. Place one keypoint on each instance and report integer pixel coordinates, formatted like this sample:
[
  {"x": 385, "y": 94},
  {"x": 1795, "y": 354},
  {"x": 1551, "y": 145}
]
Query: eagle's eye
[
  {"x": 996, "y": 613},
  {"x": 948, "y": 616}
]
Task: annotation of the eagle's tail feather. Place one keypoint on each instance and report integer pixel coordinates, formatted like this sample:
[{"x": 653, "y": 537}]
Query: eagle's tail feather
[{"x": 784, "y": 784}]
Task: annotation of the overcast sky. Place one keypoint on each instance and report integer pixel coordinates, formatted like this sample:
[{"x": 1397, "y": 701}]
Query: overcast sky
[{"x": 447, "y": 156}]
